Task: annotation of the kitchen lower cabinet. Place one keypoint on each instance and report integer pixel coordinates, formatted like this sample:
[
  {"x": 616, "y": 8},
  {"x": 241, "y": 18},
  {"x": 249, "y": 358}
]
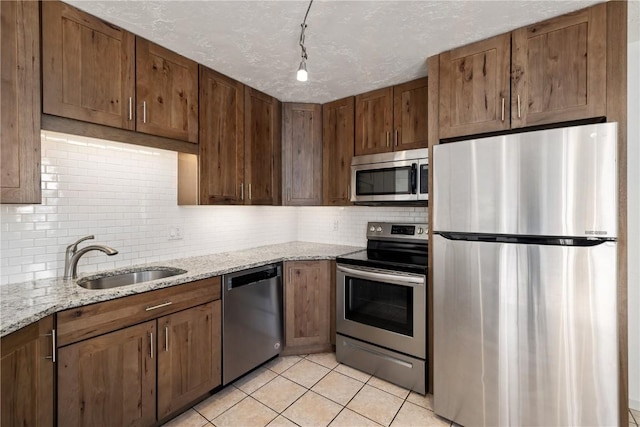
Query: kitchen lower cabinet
[
  {"x": 20, "y": 99},
  {"x": 27, "y": 364},
  {"x": 109, "y": 380},
  {"x": 189, "y": 356},
  {"x": 140, "y": 359},
  {"x": 307, "y": 292}
]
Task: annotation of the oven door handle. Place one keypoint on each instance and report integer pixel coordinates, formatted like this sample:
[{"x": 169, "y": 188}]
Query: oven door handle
[{"x": 395, "y": 278}]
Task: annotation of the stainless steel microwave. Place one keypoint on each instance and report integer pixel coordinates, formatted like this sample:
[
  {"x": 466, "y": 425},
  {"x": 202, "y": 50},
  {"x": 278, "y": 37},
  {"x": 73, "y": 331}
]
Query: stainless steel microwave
[{"x": 398, "y": 177}]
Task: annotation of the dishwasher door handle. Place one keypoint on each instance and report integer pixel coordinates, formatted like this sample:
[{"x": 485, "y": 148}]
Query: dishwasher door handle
[{"x": 252, "y": 278}]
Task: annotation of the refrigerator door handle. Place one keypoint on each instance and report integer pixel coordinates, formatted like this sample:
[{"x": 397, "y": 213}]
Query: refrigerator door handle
[{"x": 524, "y": 240}]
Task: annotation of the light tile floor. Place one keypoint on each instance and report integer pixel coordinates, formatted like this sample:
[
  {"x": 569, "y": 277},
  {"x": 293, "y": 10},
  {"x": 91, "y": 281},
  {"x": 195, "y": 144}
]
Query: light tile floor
[
  {"x": 315, "y": 391},
  {"x": 634, "y": 418}
]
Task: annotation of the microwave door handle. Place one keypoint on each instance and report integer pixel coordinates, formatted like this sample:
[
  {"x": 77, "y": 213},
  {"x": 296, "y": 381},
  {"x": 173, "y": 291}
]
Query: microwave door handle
[{"x": 414, "y": 178}]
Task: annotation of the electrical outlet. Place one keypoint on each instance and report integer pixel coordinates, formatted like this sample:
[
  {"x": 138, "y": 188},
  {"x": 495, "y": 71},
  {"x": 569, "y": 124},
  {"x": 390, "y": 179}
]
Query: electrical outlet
[
  {"x": 175, "y": 233},
  {"x": 336, "y": 225}
]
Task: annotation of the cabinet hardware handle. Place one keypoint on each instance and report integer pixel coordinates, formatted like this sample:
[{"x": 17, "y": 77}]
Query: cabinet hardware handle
[
  {"x": 518, "y": 106},
  {"x": 166, "y": 338},
  {"x": 396, "y": 138},
  {"x": 348, "y": 192},
  {"x": 153, "y": 307},
  {"x": 242, "y": 191},
  {"x": 502, "y": 110},
  {"x": 130, "y": 108},
  {"x": 388, "y": 139},
  {"x": 151, "y": 344},
  {"x": 144, "y": 111},
  {"x": 249, "y": 191},
  {"x": 53, "y": 346}
]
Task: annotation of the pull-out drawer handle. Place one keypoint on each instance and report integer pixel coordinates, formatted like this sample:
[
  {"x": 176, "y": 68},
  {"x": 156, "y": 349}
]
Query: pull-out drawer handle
[{"x": 154, "y": 307}]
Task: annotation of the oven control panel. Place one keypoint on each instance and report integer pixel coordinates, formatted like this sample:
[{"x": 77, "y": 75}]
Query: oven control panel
[{"x": 397, "y": 231}]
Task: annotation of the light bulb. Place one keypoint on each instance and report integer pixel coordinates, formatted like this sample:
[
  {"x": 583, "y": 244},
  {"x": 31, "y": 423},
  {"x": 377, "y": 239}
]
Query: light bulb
[{"x": 302, "y": 72}]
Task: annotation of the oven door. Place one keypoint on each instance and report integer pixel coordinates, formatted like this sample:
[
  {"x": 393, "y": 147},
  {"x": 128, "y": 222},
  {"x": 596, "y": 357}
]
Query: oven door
[
  {"x": 384, "y": 182},
  {"x": 382, "y": 307}
]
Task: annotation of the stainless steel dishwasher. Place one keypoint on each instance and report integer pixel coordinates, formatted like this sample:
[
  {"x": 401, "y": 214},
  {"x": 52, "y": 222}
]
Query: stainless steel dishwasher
[{"x": 252, "y": 324}]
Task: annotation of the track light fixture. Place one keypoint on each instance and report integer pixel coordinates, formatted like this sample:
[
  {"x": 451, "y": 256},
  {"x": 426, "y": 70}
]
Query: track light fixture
[{"x": 302, "y": 69}]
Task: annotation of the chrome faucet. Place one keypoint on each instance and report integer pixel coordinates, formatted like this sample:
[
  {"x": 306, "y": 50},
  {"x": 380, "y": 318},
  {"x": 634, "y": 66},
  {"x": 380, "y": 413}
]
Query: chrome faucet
[{"x": 73, "y": 255}]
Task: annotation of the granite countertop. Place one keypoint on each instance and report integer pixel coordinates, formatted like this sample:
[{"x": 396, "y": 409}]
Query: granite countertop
[{"x": 24, "y": 303}]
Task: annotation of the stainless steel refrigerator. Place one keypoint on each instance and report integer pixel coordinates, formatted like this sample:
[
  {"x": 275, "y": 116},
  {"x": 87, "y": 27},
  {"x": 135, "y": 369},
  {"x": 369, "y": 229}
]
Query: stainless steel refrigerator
[{"x": 524, "y": 276}]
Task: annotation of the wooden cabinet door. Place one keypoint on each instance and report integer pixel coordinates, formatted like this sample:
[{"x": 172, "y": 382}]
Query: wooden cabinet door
[
  {"x": 559, "y": 69},
  {"x": 27, "y": 374},
  {"x": 475, "y": 88},
  {"x": 88, "y": 67},
  {"x": 337, "y": 151},
  {"x": 410, "y": 115},
  {"x": 374, "y": 117},
  {"x": 110, "y": 379},
  {"x": 262, "y": 167},
  {"x": 307, "y": 311},
  {"x": 189, "y": 356},
  {"x": 167, "y": 92},
  {"x": 302, "y": 154},
  {"x": 221, "y": 139},
  {"x": 20, "y": 99}
]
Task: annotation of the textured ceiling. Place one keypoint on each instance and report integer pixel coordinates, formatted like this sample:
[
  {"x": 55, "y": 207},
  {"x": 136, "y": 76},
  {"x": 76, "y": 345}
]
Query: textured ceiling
[{"x": 353, "y": 46}]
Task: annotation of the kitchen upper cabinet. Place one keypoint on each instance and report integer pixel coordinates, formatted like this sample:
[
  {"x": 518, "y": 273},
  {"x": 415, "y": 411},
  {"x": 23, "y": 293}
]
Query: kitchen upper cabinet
[
  {"x": 410, "y": 101},
  {"x": 337, "y": 150},
  {"x": 302, "y": 154},
  {"x": 307, "y": 292},
  {"x": 559, "y": 69},
  {"x": 392, "y": 118},
  {"x": 189, "y": 356},
  {"x": 98, "y": 73},
  {"x": 550, "y": 72},
  {"x": 263, "y": 154},
  {"x": 167, "y": 92},
  {"x": 474, "y": 88},
  {"x": 374, "y": 120},
  {"x": 221, "y": 160},
  {"x": 27, "y": 365},
  {"x": 110, "y": 379},
  {"x": 88, "y": 67},
  {"x": 20, "y": 99}
]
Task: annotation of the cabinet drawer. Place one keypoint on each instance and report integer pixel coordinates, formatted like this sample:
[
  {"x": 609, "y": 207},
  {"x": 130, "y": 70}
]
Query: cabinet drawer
[{"x": 96, "y": 319}]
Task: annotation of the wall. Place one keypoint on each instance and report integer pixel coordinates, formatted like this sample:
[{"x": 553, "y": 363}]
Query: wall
[
  {"x": 633, "y": 209},
  {"x": 126, "y": 196}
]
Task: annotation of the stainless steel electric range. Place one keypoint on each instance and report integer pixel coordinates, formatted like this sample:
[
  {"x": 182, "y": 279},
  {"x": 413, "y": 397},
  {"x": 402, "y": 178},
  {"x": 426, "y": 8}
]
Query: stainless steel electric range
[{"x": 381, "y": 305}]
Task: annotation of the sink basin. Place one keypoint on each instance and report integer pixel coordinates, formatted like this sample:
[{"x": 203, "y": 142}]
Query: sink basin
[{"x": 129, "y": 278}]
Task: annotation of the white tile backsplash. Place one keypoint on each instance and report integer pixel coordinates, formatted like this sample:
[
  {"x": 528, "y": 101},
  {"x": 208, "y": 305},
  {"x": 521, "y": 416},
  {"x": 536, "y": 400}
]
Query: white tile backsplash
[{"x": 126, "y": 196}]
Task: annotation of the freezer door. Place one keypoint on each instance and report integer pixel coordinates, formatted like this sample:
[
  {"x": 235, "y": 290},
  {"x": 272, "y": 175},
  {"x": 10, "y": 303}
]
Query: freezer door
[
  {"x": 557, "y": 182},
  {"x": 525, "y": 335}
]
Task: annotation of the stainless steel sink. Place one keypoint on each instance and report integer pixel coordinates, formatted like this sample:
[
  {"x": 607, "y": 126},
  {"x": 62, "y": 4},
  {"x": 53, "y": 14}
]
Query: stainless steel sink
[{"x": 129, "y": 278}]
